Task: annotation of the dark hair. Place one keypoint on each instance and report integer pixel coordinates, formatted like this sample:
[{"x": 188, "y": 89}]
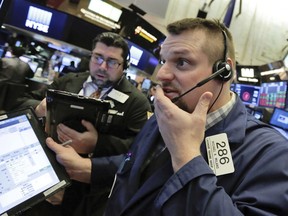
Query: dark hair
[
  {"x": 214, "y": 32},
  {"x": 115, "y": 40},
  {"x": 18, "y": 51}
]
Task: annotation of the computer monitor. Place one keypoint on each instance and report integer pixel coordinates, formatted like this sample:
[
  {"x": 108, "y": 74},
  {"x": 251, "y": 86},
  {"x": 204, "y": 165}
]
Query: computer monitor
[
  {"x": 67, "y": 59},
  {"x": 146, "y": 84},
  {"x": 135, "y": 55},
  {"x": 25, "y": 58},
  {"x": 249, "y": 94},
  {"x": 37, "y": 18},
  {"x": 255, "y": 111},
  {"x": 64, "y": 60},
  {"x": 279, "y": 118},
  {"x": 141, "y": 58},
  {"x": 273, "y": 94},
  {"x": 33, "y": 65}
]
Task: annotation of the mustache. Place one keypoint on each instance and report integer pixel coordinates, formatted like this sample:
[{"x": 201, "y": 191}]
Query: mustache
[{"x": 168, "y": 85}]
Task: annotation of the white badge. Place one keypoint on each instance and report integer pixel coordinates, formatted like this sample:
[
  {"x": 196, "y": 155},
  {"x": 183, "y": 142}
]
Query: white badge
[
  {"x": 118, "y": 96},
  {"x": 219, "y": 154}
]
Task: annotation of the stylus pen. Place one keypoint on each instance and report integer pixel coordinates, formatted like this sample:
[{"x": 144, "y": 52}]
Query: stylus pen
[{"x": 66, "y": 142}]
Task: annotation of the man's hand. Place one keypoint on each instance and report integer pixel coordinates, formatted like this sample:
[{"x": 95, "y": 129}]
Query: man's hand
[
  {"x": 182, "y": 132},
  {"x": 77, "y": 167},
  {"x": 83, "y": 143},
  {"x": 57, "y": 198},
  {"x": 40, "y": 110}
]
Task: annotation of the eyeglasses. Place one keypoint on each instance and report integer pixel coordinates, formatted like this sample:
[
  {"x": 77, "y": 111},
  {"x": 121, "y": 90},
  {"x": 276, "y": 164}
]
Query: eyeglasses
[{"x": 111, "y": 63}]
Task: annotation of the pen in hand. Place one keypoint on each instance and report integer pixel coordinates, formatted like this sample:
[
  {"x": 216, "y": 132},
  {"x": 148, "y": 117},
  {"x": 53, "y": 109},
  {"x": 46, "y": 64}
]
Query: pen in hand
[{"x": 68, "y": 142}]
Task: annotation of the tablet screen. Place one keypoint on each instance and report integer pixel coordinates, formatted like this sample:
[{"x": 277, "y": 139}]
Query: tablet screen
[{"x": 26, "y": 171}]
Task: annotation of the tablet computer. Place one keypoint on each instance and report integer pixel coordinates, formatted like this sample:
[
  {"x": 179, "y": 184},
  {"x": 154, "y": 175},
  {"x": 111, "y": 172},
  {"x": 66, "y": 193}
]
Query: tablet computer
[
  {"x": 29, "y": 172},
  {"x": 70, "y": 108}
]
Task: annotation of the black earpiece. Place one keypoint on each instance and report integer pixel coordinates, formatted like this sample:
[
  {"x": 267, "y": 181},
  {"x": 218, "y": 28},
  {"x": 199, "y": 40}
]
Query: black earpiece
[{"x": 126, "y": 63}]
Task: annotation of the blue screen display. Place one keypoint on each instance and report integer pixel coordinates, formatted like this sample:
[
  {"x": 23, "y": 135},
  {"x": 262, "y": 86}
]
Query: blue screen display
[
  {"x": 141, "y": 58},
  {"x": 249, "y": 94},
  {"x": 279, "y": 118},
  {"x": 38, "y": 19}
]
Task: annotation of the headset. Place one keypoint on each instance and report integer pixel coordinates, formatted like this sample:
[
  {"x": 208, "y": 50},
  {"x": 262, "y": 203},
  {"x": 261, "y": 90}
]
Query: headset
[
  {"x": 221, "y": 70},
  {"x": 226, "y": 74},
  {"x": 126, "y": 63}
]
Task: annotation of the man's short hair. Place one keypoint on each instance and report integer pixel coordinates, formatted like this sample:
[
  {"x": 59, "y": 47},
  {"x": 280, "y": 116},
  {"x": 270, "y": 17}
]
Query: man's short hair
[{"x": 213, "y": 30}]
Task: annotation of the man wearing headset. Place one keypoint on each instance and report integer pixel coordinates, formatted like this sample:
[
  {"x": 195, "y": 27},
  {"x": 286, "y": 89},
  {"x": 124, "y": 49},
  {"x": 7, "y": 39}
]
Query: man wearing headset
[
  {"x": 201, "y": 153},
  {"x": 109, "y": 59}
]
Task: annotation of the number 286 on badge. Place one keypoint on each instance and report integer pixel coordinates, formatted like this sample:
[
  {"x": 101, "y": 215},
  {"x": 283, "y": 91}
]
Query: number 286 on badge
[{"x": 219, "y": 154}]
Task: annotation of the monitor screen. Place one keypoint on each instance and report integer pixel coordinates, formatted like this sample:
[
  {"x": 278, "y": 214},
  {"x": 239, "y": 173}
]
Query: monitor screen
[
  {"x": 25, "y": 58},
  {"x": 135, "y": 55},
  {"x": 279, "y": 118},
  {"x": 67, "y": 59},
  {"x": 258, "y": 115},
  {"x": 33, "y": 65},
  {"x": 36, "y": 18},
  {"x": 25, "y": 169},
  {"x": 60, "y": 59},
  {"x": 273, "y": 94},
  {"x": 141, "y": 58},
  {"x": 249, "y": 94},
  {"x": 146, "y": 84},
  {"x": 248, "y": 74}
]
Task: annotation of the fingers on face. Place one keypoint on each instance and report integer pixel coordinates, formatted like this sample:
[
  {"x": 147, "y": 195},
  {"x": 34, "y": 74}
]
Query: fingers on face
[{"x": 203, "y": 104}]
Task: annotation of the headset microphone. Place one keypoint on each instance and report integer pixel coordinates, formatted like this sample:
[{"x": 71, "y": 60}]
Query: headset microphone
[{"x": 213, "y": 76}]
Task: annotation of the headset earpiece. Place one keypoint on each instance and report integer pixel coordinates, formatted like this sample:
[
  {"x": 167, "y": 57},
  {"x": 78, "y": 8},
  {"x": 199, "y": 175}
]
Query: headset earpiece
[
  {"x": 126, "y": 64},
  {"x": 226, "y": 74},
  {"x": 127, "y": 61}
]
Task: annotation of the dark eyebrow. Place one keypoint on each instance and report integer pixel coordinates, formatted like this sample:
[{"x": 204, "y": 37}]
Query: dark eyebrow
[{"x": 109, "y": 58}]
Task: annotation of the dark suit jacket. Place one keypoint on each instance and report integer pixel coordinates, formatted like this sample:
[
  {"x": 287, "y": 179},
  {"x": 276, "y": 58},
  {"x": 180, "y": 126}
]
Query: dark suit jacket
[
  {"x": 258, "y": 186},
  {"x": 15, "y": 70},
  {"x": 128, "y": 121}
]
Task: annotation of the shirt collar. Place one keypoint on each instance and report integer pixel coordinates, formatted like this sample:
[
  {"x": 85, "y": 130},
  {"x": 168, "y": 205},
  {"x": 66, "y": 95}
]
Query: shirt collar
[
  {"x": 219, "y": 114},
  {"x": 89, "y": 87},
  {"x": 89, "y": 79}
]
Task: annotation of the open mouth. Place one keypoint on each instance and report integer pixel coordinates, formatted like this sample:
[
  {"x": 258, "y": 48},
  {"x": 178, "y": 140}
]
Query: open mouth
[
  {"x": 170, "y": 93},
  {"x": 101, "y": 76}
]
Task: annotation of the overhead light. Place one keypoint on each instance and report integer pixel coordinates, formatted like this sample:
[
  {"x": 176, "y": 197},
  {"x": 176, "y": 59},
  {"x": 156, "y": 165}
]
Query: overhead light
[
  {"x": 145, "y": 34},
  {"x": 279, "y": 70},
  {"x": 99, "y": 19},
  {"x": 105, "y": 9}
]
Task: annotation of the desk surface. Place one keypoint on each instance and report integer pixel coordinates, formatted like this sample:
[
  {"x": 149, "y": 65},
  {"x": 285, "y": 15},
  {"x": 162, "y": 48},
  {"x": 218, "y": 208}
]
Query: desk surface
[
  {"x": 43, "y": 80},
  {"x": 36, "y": 83}
]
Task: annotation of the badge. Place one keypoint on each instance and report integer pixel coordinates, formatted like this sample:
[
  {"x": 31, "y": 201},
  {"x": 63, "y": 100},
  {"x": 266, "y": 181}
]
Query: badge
[
  {"x": 118, "y": 96},
  {"x": 219, "y": 154}
]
